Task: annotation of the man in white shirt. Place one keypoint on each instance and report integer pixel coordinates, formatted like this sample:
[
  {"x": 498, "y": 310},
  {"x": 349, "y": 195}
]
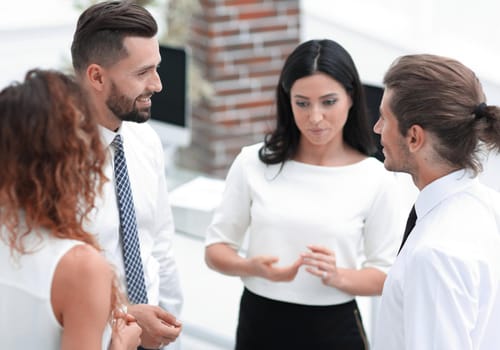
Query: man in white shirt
[
  {"x": 115, "y": 54},
  {"x": 443, "y": 291}
]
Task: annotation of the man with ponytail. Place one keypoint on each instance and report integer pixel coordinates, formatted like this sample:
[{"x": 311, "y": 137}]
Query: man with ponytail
[{"x": 443, "y": 291}]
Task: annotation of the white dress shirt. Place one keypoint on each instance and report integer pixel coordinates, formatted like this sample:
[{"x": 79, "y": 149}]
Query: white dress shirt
[
  {"x": 443, "y": 291},
  {"x": 350, "y": 209},
  {"x": 146, "y": 170}
]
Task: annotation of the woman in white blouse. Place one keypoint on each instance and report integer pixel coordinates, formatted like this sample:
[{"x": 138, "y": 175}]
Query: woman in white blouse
[
  {"x": 56, "y": 290},
  {"x": 320, "y": 213}
]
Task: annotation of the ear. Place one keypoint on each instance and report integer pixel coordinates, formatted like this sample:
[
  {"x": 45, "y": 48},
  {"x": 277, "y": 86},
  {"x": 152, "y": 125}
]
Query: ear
[
  {"x": 96, "y": 76},
  {"x": 415, "y": 138}
]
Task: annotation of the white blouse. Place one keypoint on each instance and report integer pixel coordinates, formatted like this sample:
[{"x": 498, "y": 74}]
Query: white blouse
[{"x": 353, "y": 210}]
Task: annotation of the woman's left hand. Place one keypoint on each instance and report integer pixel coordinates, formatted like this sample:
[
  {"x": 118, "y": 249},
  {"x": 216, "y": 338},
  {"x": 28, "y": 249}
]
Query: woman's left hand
[{"x": 321, "y": 262}]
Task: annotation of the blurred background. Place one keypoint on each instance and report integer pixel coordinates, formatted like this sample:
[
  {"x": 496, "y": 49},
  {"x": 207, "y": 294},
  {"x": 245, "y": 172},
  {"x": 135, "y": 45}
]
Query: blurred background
[{"x": 236, "y": 49}]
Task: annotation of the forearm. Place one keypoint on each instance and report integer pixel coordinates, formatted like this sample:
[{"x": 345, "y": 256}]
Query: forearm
[
  {"x": 365, "y": 282},
  {"x": 224, "y": 259}
]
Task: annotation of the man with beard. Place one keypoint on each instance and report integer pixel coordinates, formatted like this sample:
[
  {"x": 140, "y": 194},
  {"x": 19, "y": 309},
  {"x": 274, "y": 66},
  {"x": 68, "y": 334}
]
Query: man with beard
[
  {"x": 443, "y": 291},
  {"x": 115, "y": 55}
]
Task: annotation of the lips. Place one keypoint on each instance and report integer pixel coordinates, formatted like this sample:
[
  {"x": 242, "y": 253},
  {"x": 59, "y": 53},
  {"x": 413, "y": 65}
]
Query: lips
[
  {"x": 144, "y": 101},
  {"x": 317, "y": 131}
]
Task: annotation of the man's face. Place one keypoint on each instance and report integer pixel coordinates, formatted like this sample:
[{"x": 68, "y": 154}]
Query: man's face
[
  {"x": 395, "y": 147},
  {"x": 134, "y": 79}
]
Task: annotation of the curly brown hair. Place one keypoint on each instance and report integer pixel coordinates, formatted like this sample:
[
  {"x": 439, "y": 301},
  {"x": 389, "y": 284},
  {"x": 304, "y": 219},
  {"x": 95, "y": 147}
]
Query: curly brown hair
[{"x": 52, "y": 158}]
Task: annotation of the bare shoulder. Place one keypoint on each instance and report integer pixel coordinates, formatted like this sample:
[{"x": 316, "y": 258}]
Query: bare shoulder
[
  {"x": 84, "y": 258},
  {"x": 81, "y": 273}
]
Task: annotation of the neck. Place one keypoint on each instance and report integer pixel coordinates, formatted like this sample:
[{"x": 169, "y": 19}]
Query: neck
[
  {"x": 102, "y": 114},
  {"x": 424, "y": 176},
  {"x": 328, "y": 155}
]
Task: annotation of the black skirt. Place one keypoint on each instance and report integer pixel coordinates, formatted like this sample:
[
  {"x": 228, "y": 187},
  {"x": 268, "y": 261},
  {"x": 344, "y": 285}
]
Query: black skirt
[{"x": 269, "y": 324}]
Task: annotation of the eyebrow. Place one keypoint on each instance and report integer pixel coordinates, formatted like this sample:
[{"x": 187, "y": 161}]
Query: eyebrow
[
  {"x": 333, "y": 94},
  {"x": 148, "y": 67}
]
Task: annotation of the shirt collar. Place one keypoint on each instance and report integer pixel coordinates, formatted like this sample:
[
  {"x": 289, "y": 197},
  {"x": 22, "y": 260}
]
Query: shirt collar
[
  {"x": 442, "y": 188},
  {"x": 107, "y": 136}
]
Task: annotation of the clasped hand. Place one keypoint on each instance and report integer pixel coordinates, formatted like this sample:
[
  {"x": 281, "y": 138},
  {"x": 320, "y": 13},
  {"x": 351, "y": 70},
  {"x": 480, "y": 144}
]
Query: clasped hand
[
  {"x": 319, "y": 261},
  {"x": 159, "y": 327}
]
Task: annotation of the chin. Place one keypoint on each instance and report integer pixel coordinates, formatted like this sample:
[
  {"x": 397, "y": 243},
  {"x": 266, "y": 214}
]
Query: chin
[
  {"x": 145, "y": 118},
  {"x": 388, "y": 164}
]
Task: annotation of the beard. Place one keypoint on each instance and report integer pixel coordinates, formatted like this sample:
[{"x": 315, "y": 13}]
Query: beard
[
  {"x": 400, "y": 160},
  {"x": 124, "y": 108}
]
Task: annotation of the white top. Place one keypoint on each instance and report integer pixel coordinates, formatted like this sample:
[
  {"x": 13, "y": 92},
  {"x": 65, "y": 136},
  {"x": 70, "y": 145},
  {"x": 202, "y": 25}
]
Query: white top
[
  {"x": 145, "y": 163},
  {"x": 350, "y": 209},
  {"x": 443, "y": 291},
  {"x": 27, "y": 319}
]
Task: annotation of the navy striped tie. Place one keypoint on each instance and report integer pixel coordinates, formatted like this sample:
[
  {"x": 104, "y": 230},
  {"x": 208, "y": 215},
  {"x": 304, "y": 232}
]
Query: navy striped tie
[{"x": 134, "y": 272}]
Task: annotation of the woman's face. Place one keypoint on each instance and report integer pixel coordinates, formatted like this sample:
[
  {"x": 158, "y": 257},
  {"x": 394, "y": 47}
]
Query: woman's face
[{"x": 320, "y": 108}]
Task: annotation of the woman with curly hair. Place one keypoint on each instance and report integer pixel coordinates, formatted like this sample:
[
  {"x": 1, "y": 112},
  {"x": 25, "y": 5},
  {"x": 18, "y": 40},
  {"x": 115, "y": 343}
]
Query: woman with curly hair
[{"x": 56, "y": 289}]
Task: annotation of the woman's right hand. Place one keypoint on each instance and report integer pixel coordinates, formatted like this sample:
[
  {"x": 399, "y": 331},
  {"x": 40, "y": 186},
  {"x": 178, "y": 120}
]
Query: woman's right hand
[
  {"x": 225, "y": 259},
  {"x": 126, "y": 333},
  {"x": 264, "y": 266}
]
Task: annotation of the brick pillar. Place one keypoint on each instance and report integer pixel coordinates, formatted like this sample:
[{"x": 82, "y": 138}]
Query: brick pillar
[{"x": 240, "y": 45}]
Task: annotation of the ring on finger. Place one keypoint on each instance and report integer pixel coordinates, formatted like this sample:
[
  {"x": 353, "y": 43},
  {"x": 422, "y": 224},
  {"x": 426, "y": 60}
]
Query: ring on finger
[
  {"x": 325, "y": 274},
  {"x": 161, "y": 346}
]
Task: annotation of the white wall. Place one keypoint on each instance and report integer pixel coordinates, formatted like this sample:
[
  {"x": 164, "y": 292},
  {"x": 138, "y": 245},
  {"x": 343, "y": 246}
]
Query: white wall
[
  {"x": 38, "y": 34},
  {"x": 376, "y": 32},
  {"x": 34, "y": 34}
]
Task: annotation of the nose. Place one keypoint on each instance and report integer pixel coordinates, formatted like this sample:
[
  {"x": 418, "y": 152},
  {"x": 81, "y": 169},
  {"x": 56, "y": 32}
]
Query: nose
[
  {"x": 316, "y": 114},
  {"x": 377, "y": 128},
  {"x": 156, "y": 85}
]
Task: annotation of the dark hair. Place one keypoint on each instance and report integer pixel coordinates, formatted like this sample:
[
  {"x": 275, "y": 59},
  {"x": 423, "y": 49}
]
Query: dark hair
[
  {"x": 445, "y": 98},
  {"x": 101, "y": 29},
  {"x": 325, "y": 56},
  {"x": 51, "y": 158}
]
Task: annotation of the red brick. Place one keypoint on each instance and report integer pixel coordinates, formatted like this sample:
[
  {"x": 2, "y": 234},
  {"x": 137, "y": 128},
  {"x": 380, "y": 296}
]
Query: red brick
[
  {"x": 254, "y": 104},
  {"x": 253, "y": 60},
  {"x": 293, "y": 11},
  {"x": 241, "y": 2},
  {"x": 229, "y": 92},
  {"x": 256, "y": 14},
  {"x": 269, "y": 28},
  {"x": 244, "y": 71}
]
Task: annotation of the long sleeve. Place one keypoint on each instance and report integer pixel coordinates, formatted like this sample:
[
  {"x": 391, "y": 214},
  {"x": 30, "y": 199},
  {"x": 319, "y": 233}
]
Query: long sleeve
[
  {"x": 170, "y": 296},
  {"x": 441, "y": 302},
  {"x": 232, "y": 218}
]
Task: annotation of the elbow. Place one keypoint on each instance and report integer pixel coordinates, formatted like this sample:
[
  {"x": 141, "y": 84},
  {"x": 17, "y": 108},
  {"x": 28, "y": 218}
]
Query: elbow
[
  {"x": 213, "y": 257},
  {"x": 380, "y": 284},
  {"x": 208, "y": 258}
]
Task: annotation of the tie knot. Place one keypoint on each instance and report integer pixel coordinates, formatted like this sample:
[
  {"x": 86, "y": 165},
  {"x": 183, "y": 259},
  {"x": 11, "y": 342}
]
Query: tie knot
[{"x": 117, "y": 143}]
